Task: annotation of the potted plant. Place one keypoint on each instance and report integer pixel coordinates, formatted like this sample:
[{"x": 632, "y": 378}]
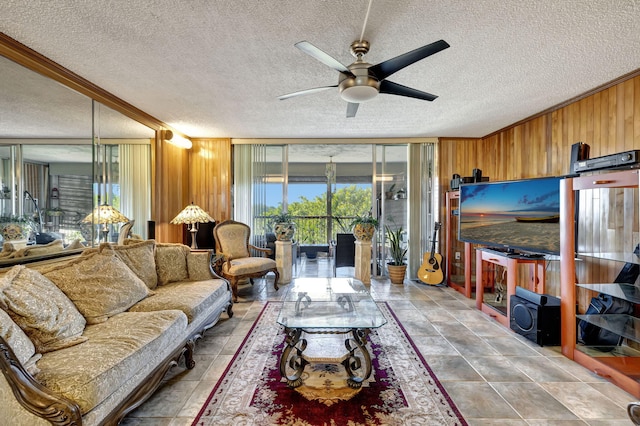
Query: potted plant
[
  {"x": 389, "y": 193},
  {"x": 55, "y": 212},
  {"x": 364, "y": 227},
  {"x": 397, "y": 267},
  {"x": 15, "y": 227},
  {"x": 283, "y": 226}
]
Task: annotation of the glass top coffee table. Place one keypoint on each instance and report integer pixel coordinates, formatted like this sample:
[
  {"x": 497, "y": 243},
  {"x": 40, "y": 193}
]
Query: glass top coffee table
[{"x": 328, "y": 306}]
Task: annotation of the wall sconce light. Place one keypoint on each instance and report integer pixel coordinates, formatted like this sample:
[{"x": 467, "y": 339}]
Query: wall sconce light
[
  {"x": 273, "y": 179},
  {"x": 177, "y": 140}
]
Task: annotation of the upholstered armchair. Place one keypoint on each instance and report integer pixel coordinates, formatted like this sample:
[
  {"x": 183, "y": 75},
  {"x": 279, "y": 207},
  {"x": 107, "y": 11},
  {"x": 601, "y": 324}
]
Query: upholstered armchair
[
  {"x": 125, "y": 231},
  {"x": 236, "y": 263}
]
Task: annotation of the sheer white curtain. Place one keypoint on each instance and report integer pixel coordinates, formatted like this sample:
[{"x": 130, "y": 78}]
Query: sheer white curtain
[
  {"x": 249, "y": 191},
  {"x": 242, "y": 184},
  {"x": 422, "y": 200},
  {"x": 135, "y": 185}
]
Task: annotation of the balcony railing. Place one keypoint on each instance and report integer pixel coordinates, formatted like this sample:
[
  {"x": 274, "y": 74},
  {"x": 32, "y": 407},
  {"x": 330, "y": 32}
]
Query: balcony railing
[{"x": 309, "y": 229}]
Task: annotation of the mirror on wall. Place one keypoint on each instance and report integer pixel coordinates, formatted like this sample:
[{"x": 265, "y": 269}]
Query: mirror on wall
[
  {"x": 122, "y": 171},
  {"x": 63, "y": 154}
]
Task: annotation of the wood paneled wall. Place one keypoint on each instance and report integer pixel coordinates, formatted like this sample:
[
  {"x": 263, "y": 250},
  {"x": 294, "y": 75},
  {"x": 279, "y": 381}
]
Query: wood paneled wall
[
  {"x": 170, "y": 190},
  {"x": 210, "y": 176},
  {"x": 516, "y": 153},
  {"x": 608, "y": 121},
  {"x": 202, "y": 175}
]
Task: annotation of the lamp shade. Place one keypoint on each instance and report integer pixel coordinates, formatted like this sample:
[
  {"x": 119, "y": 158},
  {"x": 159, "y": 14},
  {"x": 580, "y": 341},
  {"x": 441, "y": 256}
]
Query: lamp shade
[
  {"x": 105, "y": 213},
  {"x": 192, "y": 214}
]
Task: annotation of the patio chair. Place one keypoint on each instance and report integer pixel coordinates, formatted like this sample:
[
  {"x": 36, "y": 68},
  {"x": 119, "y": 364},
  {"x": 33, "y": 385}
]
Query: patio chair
[
  {"x": 344, "y": 251},
  {"x": 236, "y": 263}
]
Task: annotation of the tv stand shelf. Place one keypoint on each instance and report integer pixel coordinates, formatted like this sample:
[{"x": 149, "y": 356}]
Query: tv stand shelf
[
  {"x": 628, "y": 292},
  {"x": 511, "y": 263},
  {"x": 603, "y": 194},
  {"x": 459, "y": 273},
  {"x": 621, "y": 324}
]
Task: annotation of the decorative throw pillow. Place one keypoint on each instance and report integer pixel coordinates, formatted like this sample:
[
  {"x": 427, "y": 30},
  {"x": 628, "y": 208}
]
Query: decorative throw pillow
[
  {"x": 133, "y": 240},
  {"x": 7, "y": 249},
  {"x": 75, "y": 245},
  {"x": 99, "y": 284},
  {"x": 18, "y": 341},
  {"x": 171, "y": 262},
  {"x": 140, "y": 258},
  {"x": 41, "y": 310},
  {"x": 54, "y": 246},
  {"x": 89, "y": 251},
  {"x": 198, "y": 266}
]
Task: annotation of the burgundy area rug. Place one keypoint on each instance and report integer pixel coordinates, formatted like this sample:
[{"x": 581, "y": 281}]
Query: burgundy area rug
[{"x": 402, "y": 389}]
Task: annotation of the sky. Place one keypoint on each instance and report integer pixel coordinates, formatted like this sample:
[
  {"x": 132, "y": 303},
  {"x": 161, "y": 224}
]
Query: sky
[
  {"x": 274, "y": 192},
  {"x": 513, "y": 196}
]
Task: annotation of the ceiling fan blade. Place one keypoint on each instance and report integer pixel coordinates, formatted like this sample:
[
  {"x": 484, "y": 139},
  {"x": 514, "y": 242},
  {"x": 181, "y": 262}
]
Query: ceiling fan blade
[
  {"x": 352, "y": 108},
  {"x": 390, "y": 66},
  {"x": 305, "y": 92},
  {"x": 323, "y": 57},
  {"x": 391, "y": 88}
]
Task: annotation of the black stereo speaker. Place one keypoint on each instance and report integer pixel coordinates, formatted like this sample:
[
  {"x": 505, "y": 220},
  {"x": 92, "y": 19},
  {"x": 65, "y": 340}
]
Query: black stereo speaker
[
  {"x": 535, "y": 316},
  {"x": 204, "y": 236},
  {"x": 579, "y": 152},
  {"x": 151, "y": 229}
]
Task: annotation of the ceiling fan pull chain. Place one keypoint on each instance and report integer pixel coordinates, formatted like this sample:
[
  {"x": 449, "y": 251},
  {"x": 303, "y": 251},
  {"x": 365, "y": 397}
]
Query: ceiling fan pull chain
[{"x": 366, "y": 18}]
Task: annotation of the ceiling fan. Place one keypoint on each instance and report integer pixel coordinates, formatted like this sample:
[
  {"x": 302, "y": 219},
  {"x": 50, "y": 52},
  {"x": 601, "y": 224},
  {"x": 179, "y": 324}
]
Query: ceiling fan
[{"x": 361, "y": 81}]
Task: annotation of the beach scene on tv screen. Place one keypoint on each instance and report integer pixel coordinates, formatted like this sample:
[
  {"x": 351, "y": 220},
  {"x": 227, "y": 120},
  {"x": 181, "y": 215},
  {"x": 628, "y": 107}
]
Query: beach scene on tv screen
[{"x": 523, "y": 215}]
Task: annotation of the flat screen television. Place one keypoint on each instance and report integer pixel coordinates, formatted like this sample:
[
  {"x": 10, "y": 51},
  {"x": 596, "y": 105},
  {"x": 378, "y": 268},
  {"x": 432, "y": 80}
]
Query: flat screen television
[{"x": 520, "y": 216}]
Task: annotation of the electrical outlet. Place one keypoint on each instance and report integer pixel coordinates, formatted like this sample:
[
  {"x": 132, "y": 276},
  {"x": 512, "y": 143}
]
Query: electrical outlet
[{"x": 457, "y": 255}]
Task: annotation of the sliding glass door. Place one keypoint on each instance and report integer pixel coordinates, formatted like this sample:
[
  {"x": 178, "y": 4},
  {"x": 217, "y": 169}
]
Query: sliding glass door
[
  {"x": 391, "y": 201},
  {"x": 324, "y": 186},
  {"x": 327, "y": 186}
]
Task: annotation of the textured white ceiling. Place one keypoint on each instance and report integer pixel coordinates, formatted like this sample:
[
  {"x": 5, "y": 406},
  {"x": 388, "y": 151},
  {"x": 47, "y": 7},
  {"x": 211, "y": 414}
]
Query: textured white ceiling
[{"x": 216, "y": 68}]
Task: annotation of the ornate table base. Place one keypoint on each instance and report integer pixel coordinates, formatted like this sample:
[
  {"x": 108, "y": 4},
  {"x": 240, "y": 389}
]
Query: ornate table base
[{"x": 357, "y": 360}]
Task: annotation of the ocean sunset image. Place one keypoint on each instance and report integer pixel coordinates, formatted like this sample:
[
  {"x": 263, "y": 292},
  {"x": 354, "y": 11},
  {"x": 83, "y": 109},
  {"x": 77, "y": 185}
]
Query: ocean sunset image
[
  {"x": 518, "y": 215},
  {"x": 513, "y": 234}
]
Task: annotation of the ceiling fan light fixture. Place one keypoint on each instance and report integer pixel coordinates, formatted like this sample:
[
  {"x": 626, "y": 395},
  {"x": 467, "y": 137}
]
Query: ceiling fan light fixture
[{"x": 358, "y": 94}]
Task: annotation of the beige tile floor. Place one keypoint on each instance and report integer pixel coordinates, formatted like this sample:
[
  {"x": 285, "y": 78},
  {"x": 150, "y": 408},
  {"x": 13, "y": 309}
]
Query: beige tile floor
[{"x": 494, "y": 376}]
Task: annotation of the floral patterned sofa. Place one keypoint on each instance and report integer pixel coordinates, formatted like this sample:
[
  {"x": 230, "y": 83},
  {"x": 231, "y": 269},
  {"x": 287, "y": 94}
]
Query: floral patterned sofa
[{"x": 86, "y": 340}]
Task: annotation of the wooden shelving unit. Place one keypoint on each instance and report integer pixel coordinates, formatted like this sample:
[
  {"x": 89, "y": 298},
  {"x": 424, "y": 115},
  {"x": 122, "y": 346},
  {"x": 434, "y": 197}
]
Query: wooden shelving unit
[
  {"x": 618, "y": 364},
  {"x": 459, "y": 272}
]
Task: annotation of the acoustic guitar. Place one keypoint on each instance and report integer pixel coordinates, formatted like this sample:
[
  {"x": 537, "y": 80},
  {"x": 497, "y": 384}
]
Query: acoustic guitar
[{"x": 430, "y": 271}]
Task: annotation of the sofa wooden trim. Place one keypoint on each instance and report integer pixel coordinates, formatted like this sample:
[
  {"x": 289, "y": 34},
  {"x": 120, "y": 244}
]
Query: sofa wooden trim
[
  {"x": 34, "y": 397},
  {"x": 146, "y": 388},
  {"x": 58, "y": 410}
]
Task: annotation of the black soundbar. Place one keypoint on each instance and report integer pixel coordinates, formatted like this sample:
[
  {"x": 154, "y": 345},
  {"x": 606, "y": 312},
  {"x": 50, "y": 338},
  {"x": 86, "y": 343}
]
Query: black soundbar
[
  {"x": 621, "y": 160},
  {"x": 538, "y": 299}
]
